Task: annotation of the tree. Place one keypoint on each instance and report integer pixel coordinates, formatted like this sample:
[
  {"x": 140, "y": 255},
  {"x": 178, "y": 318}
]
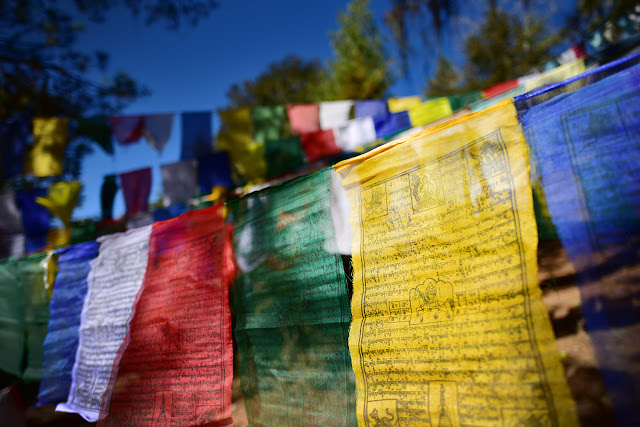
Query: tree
[
  {"x": 289, "y": 81},
  {"x": 42, "y": 73},
  {"x": 360, "y": 69},
  {"x": 446, "y": 80},
  {"x": 505, "y": 48}
]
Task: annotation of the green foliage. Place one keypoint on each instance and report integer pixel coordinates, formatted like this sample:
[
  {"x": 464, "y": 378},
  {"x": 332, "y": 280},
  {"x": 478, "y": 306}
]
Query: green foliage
[
  {"x": 360, "y": 69},
  {"x": 43, "y": 73},
  {"x": 505, "y": 48},
  {"x": 446, "y": 81},
  {"x": 290, "y": 81}
]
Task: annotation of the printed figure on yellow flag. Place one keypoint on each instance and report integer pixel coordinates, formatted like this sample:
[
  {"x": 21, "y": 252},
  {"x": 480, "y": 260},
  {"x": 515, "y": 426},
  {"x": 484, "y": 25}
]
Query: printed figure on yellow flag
[
  {"x": 46, "y": 156},
  {"x": 448, "y": 327}
]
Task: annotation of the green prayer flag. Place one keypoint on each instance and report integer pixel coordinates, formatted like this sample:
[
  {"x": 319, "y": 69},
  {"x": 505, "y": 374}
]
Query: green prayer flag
[
  {"x": 292, "y": 308},
  {"x": 11, "y": 319},
  {"x": 268, "y": 122},
  {"x": 97, "y": 129},
  {"x": 284, "y": 155},
  {"x": 462, "y": 100}
]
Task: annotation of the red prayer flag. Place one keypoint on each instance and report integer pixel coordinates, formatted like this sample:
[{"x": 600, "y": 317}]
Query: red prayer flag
[
  {"x": 176, "y": 364},
  {"x": 319, "y": 144},
  {"x": 499, "y": 88},
  {"x": 127, "y": 129},
  {"x": 304, "y": 118}
]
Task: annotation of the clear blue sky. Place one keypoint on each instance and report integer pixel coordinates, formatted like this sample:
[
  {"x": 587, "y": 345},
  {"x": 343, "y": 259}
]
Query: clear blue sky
[{"x": 191, "y": 69}]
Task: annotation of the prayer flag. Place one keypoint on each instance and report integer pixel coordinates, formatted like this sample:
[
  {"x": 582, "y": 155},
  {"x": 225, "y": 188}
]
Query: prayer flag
[
  {"x": 282, "y": 156},
  {"x": 319, "y": 144},
  {"x": 12, "y": 338},
  {"x": 126, "y": 129},
  {"x": 391, "y": 124},
  {"x": 96, "y": 129},
  {"x": 291, "y": 306},
  {"x": 14, "y": 136},
  {"x": 586, "y": 147},
  {"x": 500, "y": 88},
  {"x": 370, "y": 108},
  {"x": 556, "y": 75},
  {"x": 136, "y": 188},
  {"x": 355, "y": 133},
  {"x": 461, "y": 101},
  {"x": 429, "y": 111},
  {"x": 61, "y": 342},
  {"x": 179, "y": 181},
  {"x": 304, "y": 118},
  {"x": 35, "y": 219},
  {"x": 113, "y": 282},
  {"x": 196, "y": 135},
  {"x": 268, "y": 123},
  {"x": 46, "y": 156},
  {"x": 11, "y": 230},
  {"x": 214, "y": 170},
  {"x": 172, "y": 211},
  {"x": 61, "y": 200},
  {"x": 177, "y": 365},
  {"x": 335, "y": 113},
  {"x": 107, "y": 195},
  {"x": 157, "y": 129},
  {"x": 397, "y": 105},
  {"x": 448, "y": 324},
  {"x": 236, "y": 137}
]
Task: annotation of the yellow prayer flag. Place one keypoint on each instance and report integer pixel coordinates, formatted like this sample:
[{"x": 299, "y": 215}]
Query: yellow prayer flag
[
  {"x": 46, "y": 156},
  {"x": 556, "y": 75},
  {"x": 403, "y": 104},
  {"x": 58, "y": 237},
  {"x": 236, "y": 137},
  {"x": 448, "y": 326},
  {"x": 62, "y": 199},
  {"x": 430, "y": 111}
]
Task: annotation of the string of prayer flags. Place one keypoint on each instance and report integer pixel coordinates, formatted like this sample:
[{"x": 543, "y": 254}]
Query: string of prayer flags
[
  {"x": 108, "y": 195},
  {"x": 35, "y": 305},
  {"x": 284, "y": 155},
  {"x": 214, "y": 170},
  {"x": 35, "y": 219},
  {"x": 333, "y": 114},
  {"x": 113, "y": 282},
  {"x": 61, "y": 199},
  {"x": 291, "y": 307},
  {"x": 196, "y": 135},
  {"x": 304, "y": 118},
  {"x": 157, "y": 129},
  {"x": 448, "y": 325},
  {"x": 236, "y": 137},
  {"x": 269, "y": 123},
  {"x": 397, "y": 105},
  {"x": 354, "y": 134},
  {"x": 391, "y": 124},
  {"x": 483, "y": 104},
  {"x": 370, "y": 108},
  {"x": 136, "y": 188},
  {"x": 14, "y": 137},
  {"x": 586, "y": 146},
  {"x": 46, "y": 155},
  {"x": 319, "y": 144},
  {"x": 177, "y": 365},
  {"x": 179, "y": 181},
  {"x": 11, "y": 229},
  {"x": 96, "y": 129},
  {"x": 538, "y": 96},
  {"x": 61, "y": 342},
  {"x": 126, "y": 129},
  {"x": 429, "y": 111}
]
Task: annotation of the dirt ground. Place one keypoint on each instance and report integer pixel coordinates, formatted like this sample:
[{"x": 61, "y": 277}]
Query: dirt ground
[{"x": 560, "y": 294}]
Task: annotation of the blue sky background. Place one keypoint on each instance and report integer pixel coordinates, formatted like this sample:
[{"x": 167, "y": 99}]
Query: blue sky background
[{"x": 192, "y": 68}]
